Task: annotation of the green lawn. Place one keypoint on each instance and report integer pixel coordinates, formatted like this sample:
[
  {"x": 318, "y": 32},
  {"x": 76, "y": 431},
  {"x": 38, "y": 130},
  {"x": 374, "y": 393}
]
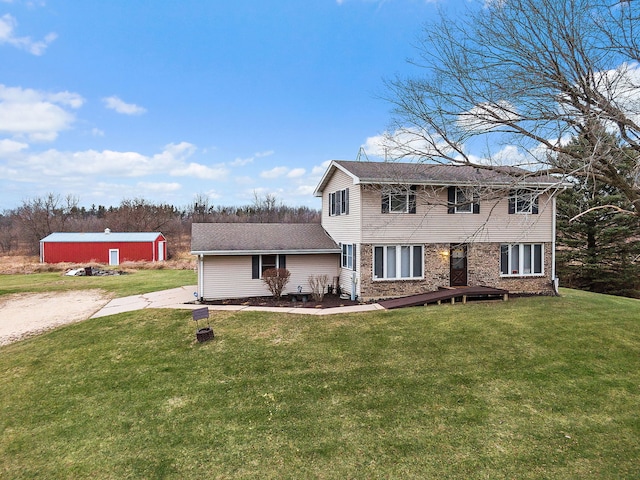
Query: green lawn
[
  {"x": 530, "y": 388},
  {"x": 137, "y": 282}
]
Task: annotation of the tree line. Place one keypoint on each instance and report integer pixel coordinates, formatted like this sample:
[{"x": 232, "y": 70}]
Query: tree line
[
  {"x": 597, "y": 251},
  {"x": 22, "y": 228}
]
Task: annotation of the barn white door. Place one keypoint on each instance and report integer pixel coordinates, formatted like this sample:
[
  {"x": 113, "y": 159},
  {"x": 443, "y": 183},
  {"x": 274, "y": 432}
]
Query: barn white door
[
  {"x": 114, "y": 256},
  {"x": 161, "y": 251}
]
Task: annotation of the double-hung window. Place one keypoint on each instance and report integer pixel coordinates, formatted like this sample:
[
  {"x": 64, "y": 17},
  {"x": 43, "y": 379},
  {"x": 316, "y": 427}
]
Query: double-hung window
[
  {"x": 522, "y": 259},
  {"x": 348, "y": 256},
  {"x": 399, "y": 199},
  {"x": 523, "y": 201},
  {"x": 462, "y": 200},
  {"x": 397, "y": 261},
  {"x": 339, "y": 202},
  {"x": 261, "y": 263}
]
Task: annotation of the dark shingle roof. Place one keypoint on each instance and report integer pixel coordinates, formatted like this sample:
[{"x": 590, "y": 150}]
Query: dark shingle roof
[
  {"x": 236, "y": 238},
  {"x": 438, "y": 174}
]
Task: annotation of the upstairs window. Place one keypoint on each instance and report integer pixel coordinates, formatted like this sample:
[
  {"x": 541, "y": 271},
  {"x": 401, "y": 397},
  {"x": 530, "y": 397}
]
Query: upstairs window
[
  {"x": 521, "y": 259},
  {"x": 523, "y": 201},
  {"x": 462, "y": 200},
  {"x": 339, "y": 202},
  {"x": 399, "y": 200}
]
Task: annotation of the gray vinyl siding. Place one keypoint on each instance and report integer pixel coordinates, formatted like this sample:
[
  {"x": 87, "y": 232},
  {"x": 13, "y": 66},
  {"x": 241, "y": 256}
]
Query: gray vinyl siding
[
  {"x": 229, "y": 276},
  {"x": 432, "y": 224}
]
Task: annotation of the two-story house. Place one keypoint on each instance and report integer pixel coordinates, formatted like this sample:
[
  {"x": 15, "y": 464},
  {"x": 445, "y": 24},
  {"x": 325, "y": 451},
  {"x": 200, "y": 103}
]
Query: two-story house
[
  {"x": 398, "y": 229},
  {"x": 407, "y": 228}
]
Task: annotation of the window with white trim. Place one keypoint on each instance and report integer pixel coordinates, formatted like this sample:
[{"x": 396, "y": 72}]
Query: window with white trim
[
  {"x": 348, "y": 256},
  {"x": 522, "y": 259},
  {"x": 397, "y": 261},
  {"x": 462, "y": 200},
  {"x": 339, "y": 202},
  {"x": 261, "y": 263},
  {"x": 399, "y": 200},
  {"x": 523, "y": 201}
]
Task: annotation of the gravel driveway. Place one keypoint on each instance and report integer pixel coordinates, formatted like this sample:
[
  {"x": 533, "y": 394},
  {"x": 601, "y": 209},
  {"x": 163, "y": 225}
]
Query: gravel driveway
[{"x": 23, "y": 315}]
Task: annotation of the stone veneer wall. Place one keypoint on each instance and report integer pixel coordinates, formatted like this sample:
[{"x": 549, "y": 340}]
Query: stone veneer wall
[
  {"x": 436, "y": 274},
  {"x": 483, "y": 268}
]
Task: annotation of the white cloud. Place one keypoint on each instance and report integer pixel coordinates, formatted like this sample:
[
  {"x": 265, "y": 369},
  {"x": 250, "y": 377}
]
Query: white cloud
[
  {"x": 244, "y": 180},
  {"x": 305, "y": 190},
  {"x": 274, "y": 172},
  {"x": 159, "y": 187},
  {"x": 266, "y": 153},
  {"x": 63, "y": 166},
  {"x": 11, "y": 146},
  {"x": 485, "y": 117},
  {"x": 241, "y": 162},
  {"x": 115, "y": 103},
  {"x": 510, "y": 155},
  {"x": 319, "y": 170},
  {"x": 200, "y": 171},
  {"x": 403, "y": 142},
  {"x": 621, "y": 87},
  {"x": 7, "y": 36},
  {"x": 296, "y": 173},
  {"x": 212, "y": 194},
  {"x": 39, "y": 115},
  {"x": 112, "y": 193}
]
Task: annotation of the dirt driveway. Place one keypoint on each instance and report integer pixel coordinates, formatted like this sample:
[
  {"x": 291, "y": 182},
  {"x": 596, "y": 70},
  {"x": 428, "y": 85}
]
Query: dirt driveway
[{"x": 23, "y": 315}]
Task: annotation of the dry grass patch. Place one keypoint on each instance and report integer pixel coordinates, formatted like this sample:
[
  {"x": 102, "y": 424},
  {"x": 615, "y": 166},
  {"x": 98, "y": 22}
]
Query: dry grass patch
[{"x": 26, "y": 264}]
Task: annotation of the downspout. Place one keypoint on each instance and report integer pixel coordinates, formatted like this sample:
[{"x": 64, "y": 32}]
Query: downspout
[
  {"x": 555, "y": 281},
  {"x": 201, "y": 277}
]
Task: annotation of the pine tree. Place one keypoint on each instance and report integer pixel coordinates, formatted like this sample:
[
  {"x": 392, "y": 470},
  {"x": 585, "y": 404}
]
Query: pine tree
[{"x": 599, "y": 250}]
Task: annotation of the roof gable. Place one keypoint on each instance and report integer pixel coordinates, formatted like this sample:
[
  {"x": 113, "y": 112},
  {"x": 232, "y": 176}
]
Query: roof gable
[{"x": 248, "y": 238}]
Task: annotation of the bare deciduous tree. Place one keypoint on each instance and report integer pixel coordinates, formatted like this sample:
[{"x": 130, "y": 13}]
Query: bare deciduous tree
[
  {"x": 201, "y": 209},
  {"x": 276, "y": 279},
  {"x": 318, "y": 283},
  {"x": 41, "y": 216},
  {"x": 513, "y": 81}
]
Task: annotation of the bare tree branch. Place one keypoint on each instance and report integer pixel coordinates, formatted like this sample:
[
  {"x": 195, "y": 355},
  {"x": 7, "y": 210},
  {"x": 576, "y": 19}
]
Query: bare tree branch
[{"x": 526, "y": 76}]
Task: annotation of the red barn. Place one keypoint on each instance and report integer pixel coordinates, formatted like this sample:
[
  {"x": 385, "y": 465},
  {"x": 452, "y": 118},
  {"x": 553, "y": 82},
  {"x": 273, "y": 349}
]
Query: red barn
[{"x": 105, "y": 247}]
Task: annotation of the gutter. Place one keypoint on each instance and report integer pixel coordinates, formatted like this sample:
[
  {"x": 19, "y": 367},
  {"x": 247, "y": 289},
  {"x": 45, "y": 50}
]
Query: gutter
[
  {"x": 457, "y": 183},
  {"x": 265, "y": 252}
]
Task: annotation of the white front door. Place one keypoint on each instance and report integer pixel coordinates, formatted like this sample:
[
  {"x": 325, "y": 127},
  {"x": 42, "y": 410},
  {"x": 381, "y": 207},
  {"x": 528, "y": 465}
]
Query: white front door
[
  {"x": 161, "y": 251},
  {"x": 114, "y": 256}
]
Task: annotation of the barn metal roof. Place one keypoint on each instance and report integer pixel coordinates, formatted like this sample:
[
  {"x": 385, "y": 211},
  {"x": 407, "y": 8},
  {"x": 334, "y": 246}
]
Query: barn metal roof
[{"x": 93, "y": 237}]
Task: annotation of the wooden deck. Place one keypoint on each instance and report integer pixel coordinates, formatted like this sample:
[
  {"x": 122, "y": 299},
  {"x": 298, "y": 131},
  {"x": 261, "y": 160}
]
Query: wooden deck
[{"x": 446, "y": 294}]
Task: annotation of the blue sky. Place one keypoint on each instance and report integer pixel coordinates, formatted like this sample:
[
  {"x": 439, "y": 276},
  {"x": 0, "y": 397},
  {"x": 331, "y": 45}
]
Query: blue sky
[{"x": 162, "y": 100}]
